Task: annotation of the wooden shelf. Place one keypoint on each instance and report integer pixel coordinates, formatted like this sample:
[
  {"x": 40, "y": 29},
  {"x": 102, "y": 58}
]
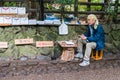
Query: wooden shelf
[
  {"x": 43, "y": 25},
  {"x": 5, "y": 24},
  {"x": 8, "y": 14}
]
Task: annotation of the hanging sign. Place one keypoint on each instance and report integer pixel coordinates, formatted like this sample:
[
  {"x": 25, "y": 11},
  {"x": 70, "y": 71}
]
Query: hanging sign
[{"x": 63, "y": 29}]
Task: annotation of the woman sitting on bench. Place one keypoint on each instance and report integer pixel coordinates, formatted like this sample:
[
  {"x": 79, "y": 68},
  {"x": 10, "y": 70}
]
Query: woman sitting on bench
[{"x": 93, "y": 38}]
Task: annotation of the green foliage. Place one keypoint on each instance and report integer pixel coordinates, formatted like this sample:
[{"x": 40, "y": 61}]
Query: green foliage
[
  {"x": 64, "y": 2},
  {"x": 96, "y": 8},
  {"x": 27, "y": 50},
  {"x": 93, "y": 8},
  {"x": 48, "y": 6},
  {"x": 45, "y": 51},
  {"x": 69, "y": 7},
  {"x": 82, "y": 0},
  {"x": 12, "y": 4},
  {"x": 118, "y": 9},
  {"x": 82, "y": 8},
  {"x": 97, "y": 1},
  {"x": 109, "y": 10},
  {"x": 51, "y": 36}
]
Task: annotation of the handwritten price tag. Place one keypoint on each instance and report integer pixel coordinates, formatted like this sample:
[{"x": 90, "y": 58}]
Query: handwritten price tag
[
  {"x": 3, "y": 45},
  {"x": 44, "y": 44},
  {"x": 24, "y": 41}
]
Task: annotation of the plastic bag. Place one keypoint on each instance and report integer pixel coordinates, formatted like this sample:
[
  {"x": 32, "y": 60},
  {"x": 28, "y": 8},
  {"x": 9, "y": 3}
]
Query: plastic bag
[{"x": 63, "y": 28}]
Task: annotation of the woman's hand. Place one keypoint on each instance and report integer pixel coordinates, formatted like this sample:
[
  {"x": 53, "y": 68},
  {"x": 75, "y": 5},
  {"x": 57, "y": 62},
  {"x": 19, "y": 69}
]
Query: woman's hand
[{"x": 83, "y": 36}]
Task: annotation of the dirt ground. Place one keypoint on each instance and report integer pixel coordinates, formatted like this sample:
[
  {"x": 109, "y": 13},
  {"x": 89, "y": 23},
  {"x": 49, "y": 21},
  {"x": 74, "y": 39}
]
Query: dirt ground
[
  {"x": 105, "y": 69},
  {"x": 103, "y": 74}
]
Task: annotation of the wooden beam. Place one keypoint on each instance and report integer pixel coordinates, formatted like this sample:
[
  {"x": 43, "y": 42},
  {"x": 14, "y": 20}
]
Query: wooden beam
[
  {"x": 76, "y": 7},
  {"x": 13, "y": 0},
  {"x": 89, "y": 3},
  {"x": 41, "y": 14}
]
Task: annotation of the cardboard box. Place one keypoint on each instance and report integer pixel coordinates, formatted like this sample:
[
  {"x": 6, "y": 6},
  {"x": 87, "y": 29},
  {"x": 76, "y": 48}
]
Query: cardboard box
[
  {"x": 5, "y": 10},
  {"x": 32, "y": 22},
  {"x": 7, "y": 20},
  {"x": 13, "y": 10},
  {"x": 0, "y": 10},
  {"x": 48, "y": 21},
  {"x": 40, "y": 22},
  {"x": 15, "y": 21},
  {"x": 1, "y": 19},
  {"x": 21, "y": 10},
  {"x": 56, "y": 22},
  {"x": 24, "y": 20}
]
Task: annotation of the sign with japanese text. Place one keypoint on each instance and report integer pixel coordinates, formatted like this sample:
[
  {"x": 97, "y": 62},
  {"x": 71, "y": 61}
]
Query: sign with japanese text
[
  {"x": 3, "y": 44},
  {"x": 44, "y": 43},
  {"x": 24, "y": 41}
]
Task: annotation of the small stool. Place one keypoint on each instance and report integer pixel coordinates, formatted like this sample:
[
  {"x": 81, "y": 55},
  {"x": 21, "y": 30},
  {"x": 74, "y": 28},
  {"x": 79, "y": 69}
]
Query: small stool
[{"x": 97, "y": 55}]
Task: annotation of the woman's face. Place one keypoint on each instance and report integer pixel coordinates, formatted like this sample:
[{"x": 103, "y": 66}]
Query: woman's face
[{"x": 90, "y": 21}]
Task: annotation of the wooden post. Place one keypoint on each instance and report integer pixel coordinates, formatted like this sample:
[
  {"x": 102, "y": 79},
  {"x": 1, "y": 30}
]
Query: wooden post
[
  {"x": 76, "y": 8},
  {"x": 88, "y": 6},
  {"x": 27, "y": 5},
  {"x": 116, "y": 11},
  {"x": 62, "y": 11},
  {"x": 41, "y": 13},
  {"x": 1, "y": 3}
]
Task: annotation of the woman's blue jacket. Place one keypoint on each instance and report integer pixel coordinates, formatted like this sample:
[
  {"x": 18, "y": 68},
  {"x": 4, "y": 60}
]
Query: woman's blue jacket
[{"x": 98, "y": 36}]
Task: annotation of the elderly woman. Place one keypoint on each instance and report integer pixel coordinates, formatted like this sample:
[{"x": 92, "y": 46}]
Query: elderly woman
[{"x": 93, "y": 39}]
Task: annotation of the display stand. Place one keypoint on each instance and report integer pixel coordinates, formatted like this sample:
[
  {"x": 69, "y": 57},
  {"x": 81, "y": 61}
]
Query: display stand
[{"x": 68, "y": 51}]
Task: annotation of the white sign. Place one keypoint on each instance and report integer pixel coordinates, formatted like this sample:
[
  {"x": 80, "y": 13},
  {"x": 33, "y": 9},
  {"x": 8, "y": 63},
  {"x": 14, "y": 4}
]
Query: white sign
[
  {"x": 3, "y": 45},
  {"x": 24, "y": 41},
  {"x": 44, "y": 43}
]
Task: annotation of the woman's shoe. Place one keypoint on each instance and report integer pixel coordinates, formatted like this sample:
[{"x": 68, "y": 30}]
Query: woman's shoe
[
  {"x": 84, "y": 63},
  {"x": 79, "y": 55}
]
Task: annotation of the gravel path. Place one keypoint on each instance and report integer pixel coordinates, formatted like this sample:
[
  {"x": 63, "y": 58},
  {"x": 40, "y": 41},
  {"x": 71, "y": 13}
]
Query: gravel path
[
  {"x": 106, "y": 69},
  {"x": 101, "y": 74}
]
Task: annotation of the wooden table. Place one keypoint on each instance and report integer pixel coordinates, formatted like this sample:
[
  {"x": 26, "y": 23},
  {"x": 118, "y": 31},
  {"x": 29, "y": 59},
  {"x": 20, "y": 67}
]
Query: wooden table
[{"x": 68, "y": 51}]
